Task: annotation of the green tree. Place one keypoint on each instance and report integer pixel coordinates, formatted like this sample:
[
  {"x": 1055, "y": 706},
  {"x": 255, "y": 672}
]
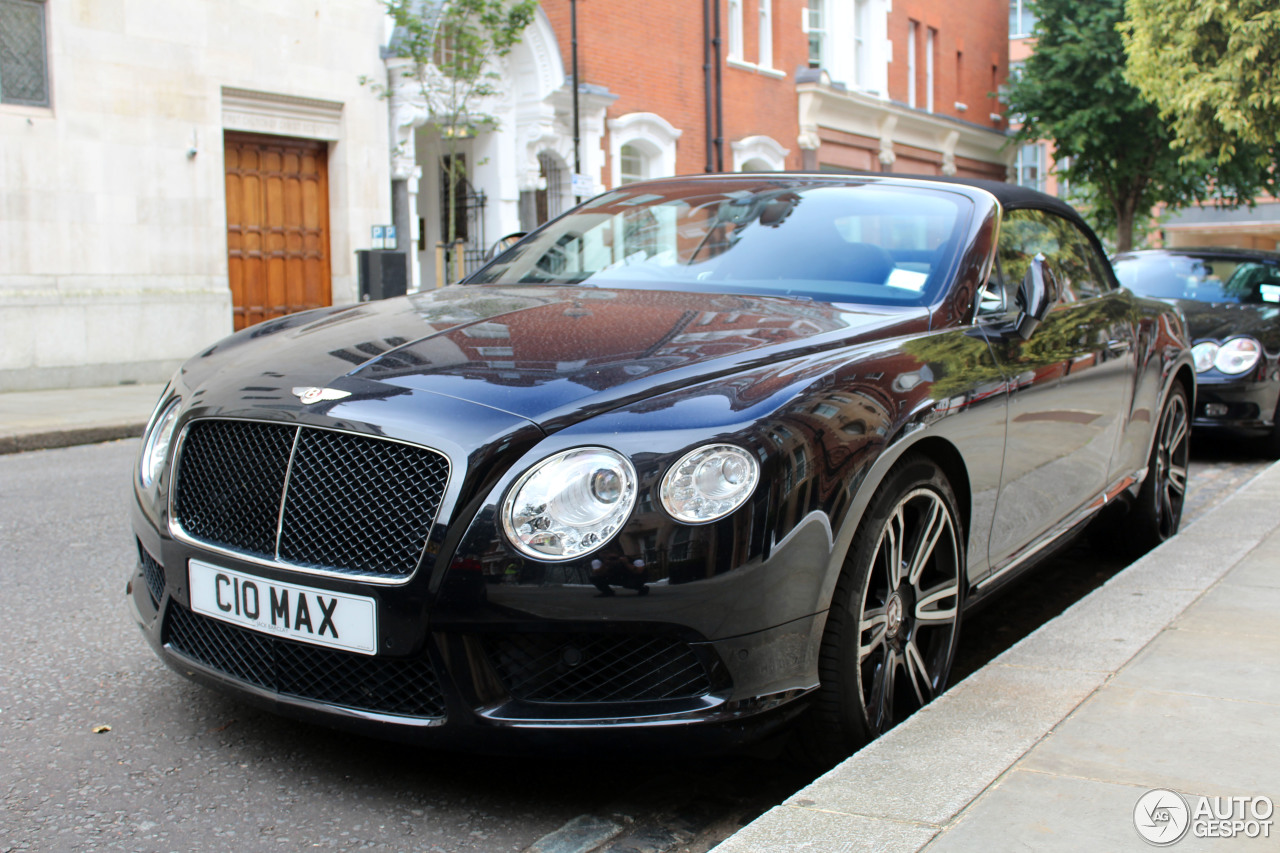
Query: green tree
[
  {"x": 1209, "y": 66},
  {"x": 452, "y": 46},
  {"x": 1073, "y": 91}
]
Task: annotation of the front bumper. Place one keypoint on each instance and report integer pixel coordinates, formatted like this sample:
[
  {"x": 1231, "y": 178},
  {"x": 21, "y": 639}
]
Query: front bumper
[
  {"x": 1245, "y": 406},
  {"x": 486, "y": 682}
]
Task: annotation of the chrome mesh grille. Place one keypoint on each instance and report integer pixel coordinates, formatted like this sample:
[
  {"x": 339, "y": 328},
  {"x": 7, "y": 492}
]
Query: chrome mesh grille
[
  {"x": 152, "y": 573},
  {"x": 406, "y": 687},
  {"x": 560, "y": 668},
  {"x": 310, "y": 497}
]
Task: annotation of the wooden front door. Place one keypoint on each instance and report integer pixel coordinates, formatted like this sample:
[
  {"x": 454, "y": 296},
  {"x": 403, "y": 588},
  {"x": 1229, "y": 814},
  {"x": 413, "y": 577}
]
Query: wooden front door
[{"x": 277, "y": 226}]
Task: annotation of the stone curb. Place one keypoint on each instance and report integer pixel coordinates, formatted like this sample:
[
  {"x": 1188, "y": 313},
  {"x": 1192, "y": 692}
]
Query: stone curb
[{"x": 49, "y": 439}]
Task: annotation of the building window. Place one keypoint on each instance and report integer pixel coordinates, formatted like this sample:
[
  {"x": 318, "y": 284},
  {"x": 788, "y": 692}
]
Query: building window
[
  {"x": 766, "y": 34},
  {"x": 641, "y": 145},
  {"x": 735, "y": 30},
  {"x": 758, "y": 154},
  {"x": 931, "y": 36},
  {"x": 24, "y": 71},
  {"x": 1030, "y": 166},
  {"x": 1022, "y": 20},
  {"x": 815, "y": 25},
  {"x": 631, "y": 165},
  {"x": 861, "y": 44},
  {"x": 913, "y": 32}
]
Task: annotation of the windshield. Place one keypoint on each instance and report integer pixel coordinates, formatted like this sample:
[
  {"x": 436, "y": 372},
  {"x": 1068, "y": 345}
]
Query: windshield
[
  {"x": 1203, "y": 278},
  {"x": 864, "y": 243}
]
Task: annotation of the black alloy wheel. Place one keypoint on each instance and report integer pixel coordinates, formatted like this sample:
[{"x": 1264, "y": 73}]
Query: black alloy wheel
[
  {"x": 1158, "y": 512},
  {"x": 895, "y": 616}
]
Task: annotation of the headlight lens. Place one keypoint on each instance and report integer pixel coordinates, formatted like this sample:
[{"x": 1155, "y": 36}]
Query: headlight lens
[
  {"x": 155, "y": 449},
  {"x": 570, "y": 504},
  {"x": 1204, "y": 353},
  {"x": 709, "y": 483},
  {"x": 1238, "y": 355}
]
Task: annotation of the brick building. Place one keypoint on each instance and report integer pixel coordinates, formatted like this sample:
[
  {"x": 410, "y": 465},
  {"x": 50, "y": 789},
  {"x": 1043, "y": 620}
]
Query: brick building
[{"x": 679, "y": 87}]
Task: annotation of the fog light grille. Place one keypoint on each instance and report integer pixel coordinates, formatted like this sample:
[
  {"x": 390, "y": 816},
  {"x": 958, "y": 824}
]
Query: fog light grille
[{"x": 588, "y": 668}]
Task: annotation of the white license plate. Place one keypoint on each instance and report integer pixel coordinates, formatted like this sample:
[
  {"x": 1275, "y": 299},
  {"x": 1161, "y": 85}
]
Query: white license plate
[{"x": 287, "y": 610}]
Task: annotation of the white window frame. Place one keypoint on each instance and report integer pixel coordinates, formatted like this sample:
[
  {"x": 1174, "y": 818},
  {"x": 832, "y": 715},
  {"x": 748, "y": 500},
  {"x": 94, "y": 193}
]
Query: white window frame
[
  {"x": 1019, "y": 11},
  {"x": 736, "y": 47},
  {"x": 821, "y": 31},
  {"x": 913, "y": 33},
  {"x": 764, "y": 40},
  {"x": 931, "y": 36},
  {"x": 649, "y": 133},
  {"x": 758, "y": 149}
]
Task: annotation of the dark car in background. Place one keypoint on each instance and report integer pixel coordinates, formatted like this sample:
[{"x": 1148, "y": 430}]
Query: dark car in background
[
  {"x": 706, "y": 456},
  {"x": 1231, "y": 299}
]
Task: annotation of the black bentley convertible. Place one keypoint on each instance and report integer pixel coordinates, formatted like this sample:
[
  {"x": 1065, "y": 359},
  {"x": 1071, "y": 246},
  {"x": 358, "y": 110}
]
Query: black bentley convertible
[
  {"x": 1231, "y": 299},
  {"x": 706, "y": 456}
]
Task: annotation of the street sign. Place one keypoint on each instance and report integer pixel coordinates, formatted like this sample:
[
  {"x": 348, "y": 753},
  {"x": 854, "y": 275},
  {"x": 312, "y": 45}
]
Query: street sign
[
  {"x": 583, "y": 186},
  {"x": 379, "y": 237}
]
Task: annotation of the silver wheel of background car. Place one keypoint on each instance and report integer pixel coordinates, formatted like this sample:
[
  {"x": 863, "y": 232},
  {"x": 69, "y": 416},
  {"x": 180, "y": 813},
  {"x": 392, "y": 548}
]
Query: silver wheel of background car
[{"x": 895, "y": 616}]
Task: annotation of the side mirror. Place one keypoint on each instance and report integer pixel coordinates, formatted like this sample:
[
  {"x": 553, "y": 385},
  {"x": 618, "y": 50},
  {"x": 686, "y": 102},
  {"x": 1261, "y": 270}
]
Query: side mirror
[
  {"x": 502, "y": 245},
  {"x": 1037, "y": 294}
]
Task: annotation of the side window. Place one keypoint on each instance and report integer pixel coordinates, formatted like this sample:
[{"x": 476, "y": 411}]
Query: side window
[{"x": 1069, "y": 253}]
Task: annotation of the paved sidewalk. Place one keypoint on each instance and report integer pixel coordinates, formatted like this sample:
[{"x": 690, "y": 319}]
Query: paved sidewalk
[
  {"x": 1166, "y": 677},
  {"x": 35, "y": 420}
]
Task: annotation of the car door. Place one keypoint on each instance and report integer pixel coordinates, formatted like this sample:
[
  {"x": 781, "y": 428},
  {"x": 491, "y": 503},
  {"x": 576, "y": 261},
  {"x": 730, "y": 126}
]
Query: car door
[{"x": 1069, "y": 383}]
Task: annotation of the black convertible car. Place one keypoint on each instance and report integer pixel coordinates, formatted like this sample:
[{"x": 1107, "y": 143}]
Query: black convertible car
[
  {"x": 1231, "y": 299},
  {"x": 707, "y": 456}
]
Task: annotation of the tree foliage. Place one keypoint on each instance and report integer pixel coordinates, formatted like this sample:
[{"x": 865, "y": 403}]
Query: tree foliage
[
  {"x": 1209, "y": 67},
  {"x": 1074, "y": 91},
  {"x": 452, "y": 46}
]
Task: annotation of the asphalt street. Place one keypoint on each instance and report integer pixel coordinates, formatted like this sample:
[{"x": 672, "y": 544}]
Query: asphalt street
[{"x": 102, "y": 747}]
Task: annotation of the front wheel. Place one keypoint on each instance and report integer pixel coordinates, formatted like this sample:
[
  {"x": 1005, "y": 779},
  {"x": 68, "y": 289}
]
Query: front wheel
[
  {"x": 895, "y": 616},
  {"x": 1157, "y": 513}
]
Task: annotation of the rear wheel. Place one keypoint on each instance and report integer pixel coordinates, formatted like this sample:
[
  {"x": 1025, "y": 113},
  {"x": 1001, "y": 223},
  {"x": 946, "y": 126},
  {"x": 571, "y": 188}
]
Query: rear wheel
[
  {"x": 894, "y": 619},
  {"x": 1157, "y": 513}
]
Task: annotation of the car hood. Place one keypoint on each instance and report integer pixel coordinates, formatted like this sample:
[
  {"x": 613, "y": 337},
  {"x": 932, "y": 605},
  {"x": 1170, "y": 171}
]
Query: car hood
[
  {"x": 1222, "y": 320},
  {"x": 542, "y": 353}
]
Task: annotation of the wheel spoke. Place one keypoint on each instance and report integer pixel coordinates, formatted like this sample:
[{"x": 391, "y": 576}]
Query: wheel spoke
[
  {"x": 938, "y": 523},
  {"x": 1180, "y": 431},
  {"x": 918, "y": 673},
  {"x": 924, "y": 612},
  {"x": 892, "y": 544},
  {"x": 875, "y": 622},
  {"x": 1178, "y": 478},
  {"x": 883, "y": 710}
]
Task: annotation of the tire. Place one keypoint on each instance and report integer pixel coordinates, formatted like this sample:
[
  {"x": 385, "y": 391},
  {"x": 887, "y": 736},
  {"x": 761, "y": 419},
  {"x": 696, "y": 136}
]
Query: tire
[
  {"x": 894, "y": 620},
  {"x": 1157, "y": 513}
]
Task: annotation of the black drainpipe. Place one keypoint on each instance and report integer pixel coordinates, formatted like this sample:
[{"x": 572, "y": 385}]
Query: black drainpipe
[
  {"x": 719, "y": 95},
  {"x": 707, "y": 82}
]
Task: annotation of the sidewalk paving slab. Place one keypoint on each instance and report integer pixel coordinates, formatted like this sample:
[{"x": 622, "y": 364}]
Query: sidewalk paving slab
[{"x": 38, "y": 420}]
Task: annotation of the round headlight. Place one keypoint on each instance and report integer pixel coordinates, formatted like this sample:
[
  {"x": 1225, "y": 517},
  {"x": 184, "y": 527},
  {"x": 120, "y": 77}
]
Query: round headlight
[
  {"x": 1238, "y": 355},
  {"x": 155, "y": 449},
  {"x": 709, "y": 483},
  {"x": 570, "y": 504},
  {"x": 1204, "y": 353}
]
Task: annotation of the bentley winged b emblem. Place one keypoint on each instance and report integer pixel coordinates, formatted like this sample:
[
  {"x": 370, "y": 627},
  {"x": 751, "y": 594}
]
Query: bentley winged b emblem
[{"x": 309, "y": 395}]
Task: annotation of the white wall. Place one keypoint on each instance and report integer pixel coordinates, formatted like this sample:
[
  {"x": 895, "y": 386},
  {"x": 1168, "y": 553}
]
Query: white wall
[{"x": 113, "y": 244}]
